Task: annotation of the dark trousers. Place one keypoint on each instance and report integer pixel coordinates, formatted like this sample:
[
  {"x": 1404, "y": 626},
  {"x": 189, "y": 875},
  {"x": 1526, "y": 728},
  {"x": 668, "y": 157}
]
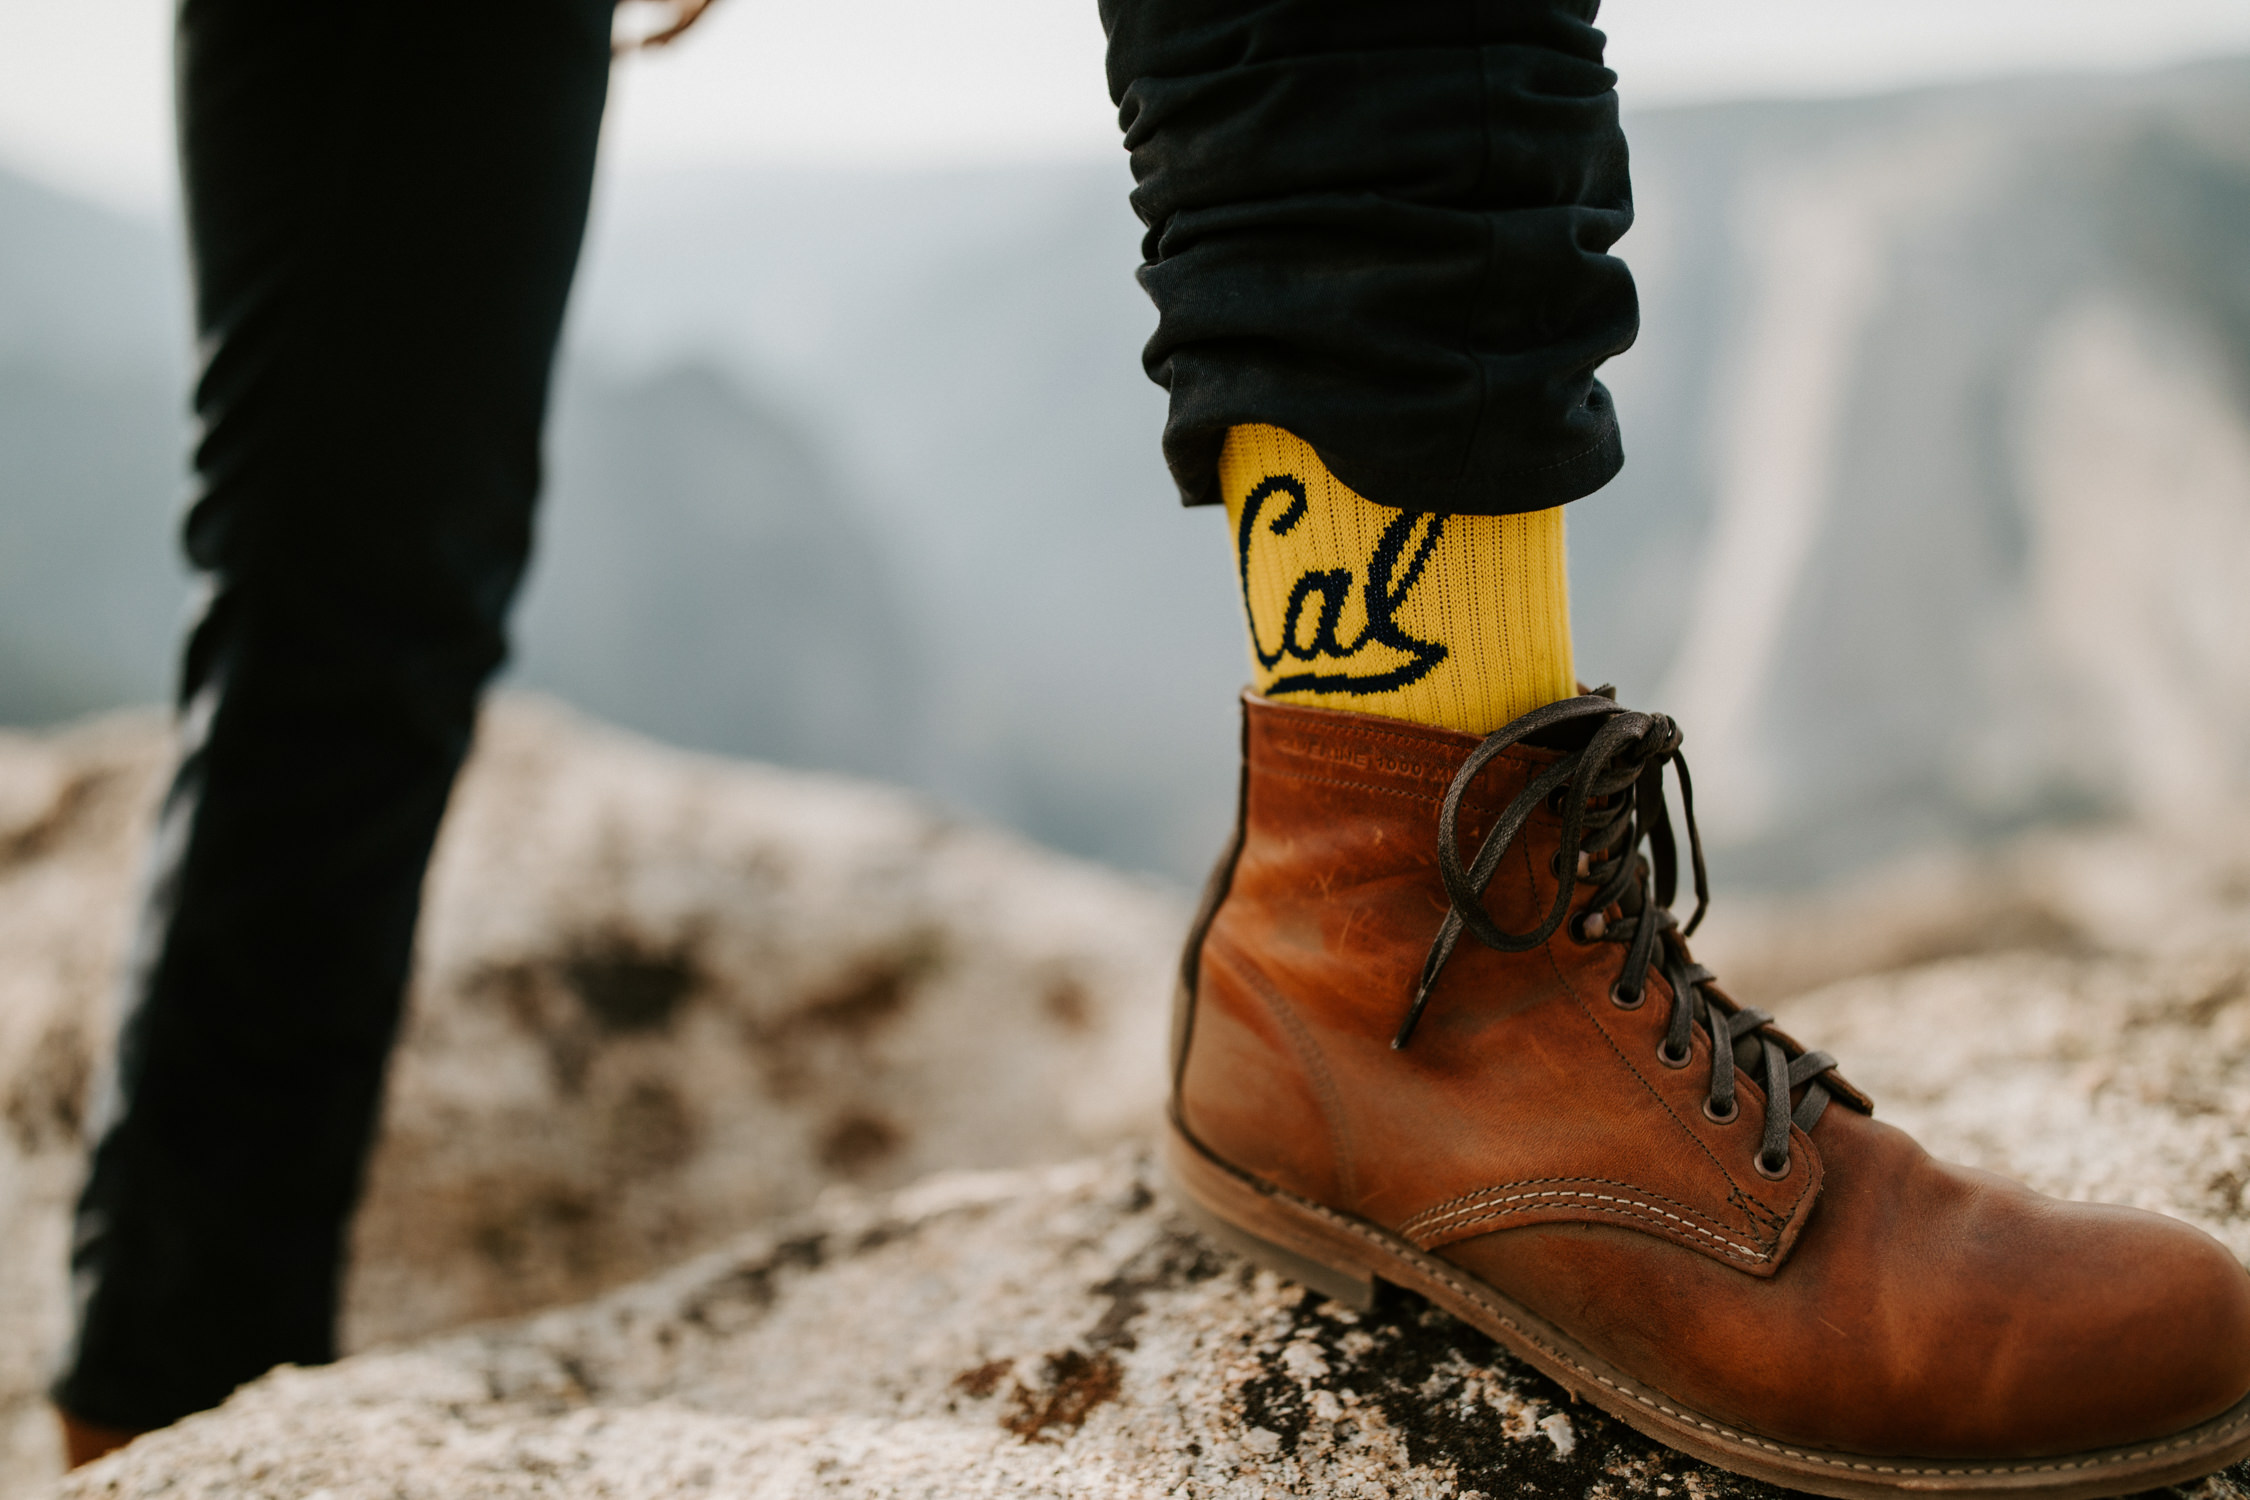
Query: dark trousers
[
  {"x": 1383, "y": 227},
  {"x": 384, "y": 207},
  {"x": 1386, "y": 228}
]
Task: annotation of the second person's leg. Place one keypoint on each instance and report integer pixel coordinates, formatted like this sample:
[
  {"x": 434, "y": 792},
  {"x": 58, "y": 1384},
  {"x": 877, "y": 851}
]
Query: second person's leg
[{"x": 385, "y": 205}]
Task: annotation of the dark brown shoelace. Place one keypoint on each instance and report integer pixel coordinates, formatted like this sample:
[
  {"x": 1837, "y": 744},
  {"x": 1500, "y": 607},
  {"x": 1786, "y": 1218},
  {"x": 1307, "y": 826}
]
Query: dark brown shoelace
[{"x": 1610, "y": 791}]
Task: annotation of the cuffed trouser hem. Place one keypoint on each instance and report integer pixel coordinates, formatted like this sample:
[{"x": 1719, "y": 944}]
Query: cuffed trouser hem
[
  {"x": 1497, "y": 492},
  {"x": 1386, "y": 230}
]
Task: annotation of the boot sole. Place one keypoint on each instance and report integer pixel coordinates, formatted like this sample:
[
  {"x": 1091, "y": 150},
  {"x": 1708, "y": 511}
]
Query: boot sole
[{"x": 1343, "y": 1257}]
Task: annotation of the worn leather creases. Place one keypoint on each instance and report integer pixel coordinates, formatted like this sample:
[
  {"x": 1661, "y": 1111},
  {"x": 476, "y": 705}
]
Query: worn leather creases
[
  {"x": 1309, "y": 1057},
  {"x": 1546, "y": 1138}
]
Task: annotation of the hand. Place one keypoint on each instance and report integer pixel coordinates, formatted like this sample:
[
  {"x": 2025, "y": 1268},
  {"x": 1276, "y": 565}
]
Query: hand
[{"x": 679, "y": 15}]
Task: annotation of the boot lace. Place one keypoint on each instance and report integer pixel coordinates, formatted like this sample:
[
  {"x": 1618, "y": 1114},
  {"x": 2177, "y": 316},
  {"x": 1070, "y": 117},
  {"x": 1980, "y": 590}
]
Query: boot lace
[{"x": 1610, "y": 792}]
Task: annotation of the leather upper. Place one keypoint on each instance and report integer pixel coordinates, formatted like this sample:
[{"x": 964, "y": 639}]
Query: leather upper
[{"x": 1872, "y": 1299}]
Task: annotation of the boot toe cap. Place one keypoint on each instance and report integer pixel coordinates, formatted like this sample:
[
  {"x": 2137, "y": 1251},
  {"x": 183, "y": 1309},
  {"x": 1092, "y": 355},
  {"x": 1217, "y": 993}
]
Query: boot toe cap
[{"x": 2170, "y": 1345}]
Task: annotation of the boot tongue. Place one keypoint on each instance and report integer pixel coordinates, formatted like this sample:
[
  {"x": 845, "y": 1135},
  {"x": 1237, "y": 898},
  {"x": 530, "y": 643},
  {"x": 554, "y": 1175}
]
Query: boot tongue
[{"x": 1572, "y": 734}]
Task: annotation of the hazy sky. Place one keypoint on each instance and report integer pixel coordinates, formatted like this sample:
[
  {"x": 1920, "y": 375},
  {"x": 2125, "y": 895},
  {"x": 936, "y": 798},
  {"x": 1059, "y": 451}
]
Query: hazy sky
[{"x": 84, "y": 83}]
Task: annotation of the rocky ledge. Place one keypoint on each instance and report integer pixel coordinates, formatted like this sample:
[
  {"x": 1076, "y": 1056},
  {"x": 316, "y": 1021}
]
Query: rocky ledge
[
  {"x": 1050, "y": 1332},
  {"x": 666, "y": 1005},
  {"x": 660, "y": 999}
]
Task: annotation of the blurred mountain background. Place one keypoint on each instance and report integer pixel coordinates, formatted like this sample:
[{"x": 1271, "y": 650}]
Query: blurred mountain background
[{"x": 1935, "y": 522}]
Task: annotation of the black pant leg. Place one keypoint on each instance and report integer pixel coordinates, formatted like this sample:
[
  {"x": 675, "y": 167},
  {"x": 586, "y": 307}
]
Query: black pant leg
[
  {"x": 385, "y": 204},
  {"x": 1384, "y": 227}
]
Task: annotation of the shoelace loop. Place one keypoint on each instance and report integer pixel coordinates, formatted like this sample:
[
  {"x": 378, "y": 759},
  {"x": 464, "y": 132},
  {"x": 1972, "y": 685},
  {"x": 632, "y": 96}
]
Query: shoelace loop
[{"x": 1611, "y": 792}]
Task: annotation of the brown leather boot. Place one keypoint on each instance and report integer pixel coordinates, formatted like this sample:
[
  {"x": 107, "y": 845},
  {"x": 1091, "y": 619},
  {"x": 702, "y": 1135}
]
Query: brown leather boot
[{"x": 1505, "y": 1085}]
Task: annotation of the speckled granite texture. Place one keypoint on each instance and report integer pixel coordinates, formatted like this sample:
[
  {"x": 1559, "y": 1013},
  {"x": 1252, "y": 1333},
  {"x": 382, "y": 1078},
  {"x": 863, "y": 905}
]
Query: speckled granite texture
[
  {"x": 666, "y": 1004},
  {"x": 660, "y": 999},
  {"x": 1049, "y": 1332}
]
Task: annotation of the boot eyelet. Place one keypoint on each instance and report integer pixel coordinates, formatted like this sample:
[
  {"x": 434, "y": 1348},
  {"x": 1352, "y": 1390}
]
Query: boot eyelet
[
  {"x": 1734, "y": 1113},
  {"x": 1770, "y": 1172},
  {"x": 1588, "y": 926},
  {"x": 1671, "y": 1059},
  {"x": 1623, "y": 1001}
]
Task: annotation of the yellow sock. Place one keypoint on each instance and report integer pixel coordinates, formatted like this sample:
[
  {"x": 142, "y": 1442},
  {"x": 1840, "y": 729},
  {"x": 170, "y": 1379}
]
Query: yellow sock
[{"x": 1462, "y": 622}]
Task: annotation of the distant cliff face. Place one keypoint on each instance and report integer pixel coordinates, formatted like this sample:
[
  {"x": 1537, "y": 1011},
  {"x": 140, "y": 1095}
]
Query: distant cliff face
[
  {"x": 1936, "y": 500},
  {"x": 701, "y": 577},
  {"x": 93, "y": 376},
  {"x": 1964, "y": 491}
]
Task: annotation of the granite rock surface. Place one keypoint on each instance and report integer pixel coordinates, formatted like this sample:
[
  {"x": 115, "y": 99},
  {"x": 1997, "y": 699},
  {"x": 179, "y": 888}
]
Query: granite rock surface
[
  {"x": 672, "y": 1012},
  {"x": 660, "y": 998},
  {"x": 1045, "y": 1332}
]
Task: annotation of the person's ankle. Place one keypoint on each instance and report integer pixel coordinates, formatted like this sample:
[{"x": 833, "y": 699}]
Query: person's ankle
[{"x": 1458, "y": 622}]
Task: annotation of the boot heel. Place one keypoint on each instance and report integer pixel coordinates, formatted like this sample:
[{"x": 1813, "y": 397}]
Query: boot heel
[
  {"x": 1338, "y": 1286},
  {"x": 1224, "y": 1205}
]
